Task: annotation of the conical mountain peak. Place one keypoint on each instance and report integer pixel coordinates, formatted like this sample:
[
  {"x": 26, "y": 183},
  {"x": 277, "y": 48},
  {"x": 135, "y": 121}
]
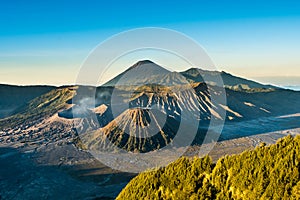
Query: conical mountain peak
[
  {"x": 142, "y": 72},
  {"x": 142, "y": 62}
]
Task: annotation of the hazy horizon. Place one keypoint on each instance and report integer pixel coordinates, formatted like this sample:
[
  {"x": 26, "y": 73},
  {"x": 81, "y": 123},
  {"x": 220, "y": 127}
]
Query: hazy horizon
[{"x": 288, "y": 82}]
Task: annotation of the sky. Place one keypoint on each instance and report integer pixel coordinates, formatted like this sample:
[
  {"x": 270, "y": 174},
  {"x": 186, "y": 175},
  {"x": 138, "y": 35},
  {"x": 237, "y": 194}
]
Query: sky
[{"x": 47, "y": 42}]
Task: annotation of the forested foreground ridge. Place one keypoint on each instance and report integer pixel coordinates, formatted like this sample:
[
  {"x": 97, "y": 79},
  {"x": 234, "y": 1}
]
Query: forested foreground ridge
[{"x": 267, "y": 172}]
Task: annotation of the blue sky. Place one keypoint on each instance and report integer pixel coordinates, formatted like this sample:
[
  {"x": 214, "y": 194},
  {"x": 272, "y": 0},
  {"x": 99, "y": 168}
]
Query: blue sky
[{"x": 46, "y": 42}]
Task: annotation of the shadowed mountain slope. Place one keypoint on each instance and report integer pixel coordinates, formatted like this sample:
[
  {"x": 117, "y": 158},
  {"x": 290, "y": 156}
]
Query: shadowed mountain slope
[
  {"x": 230, "y": 81},
  {"x": 142, "y": 72},
  {"x": 12, "y": 97},
  {"x": 39, "y": 108}
]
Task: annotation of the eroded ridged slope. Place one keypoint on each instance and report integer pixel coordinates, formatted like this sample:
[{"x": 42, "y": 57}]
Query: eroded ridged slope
[{"x": 136, "y": 129}]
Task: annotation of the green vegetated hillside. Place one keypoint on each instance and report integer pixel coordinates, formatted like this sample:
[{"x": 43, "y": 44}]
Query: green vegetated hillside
[{"x": 267, "y": 172}]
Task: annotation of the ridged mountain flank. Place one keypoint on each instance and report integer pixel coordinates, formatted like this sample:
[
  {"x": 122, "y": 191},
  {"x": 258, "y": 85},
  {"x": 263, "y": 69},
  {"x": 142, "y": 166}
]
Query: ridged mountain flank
[{"x": 136, "y": 129}]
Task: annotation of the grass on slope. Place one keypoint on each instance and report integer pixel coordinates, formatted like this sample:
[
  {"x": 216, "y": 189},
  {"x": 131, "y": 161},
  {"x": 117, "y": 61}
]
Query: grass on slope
[{"x": 268, "y": 172}]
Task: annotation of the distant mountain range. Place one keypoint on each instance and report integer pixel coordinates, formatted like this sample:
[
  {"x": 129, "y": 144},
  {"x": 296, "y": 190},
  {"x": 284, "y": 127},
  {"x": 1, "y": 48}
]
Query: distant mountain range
[
  {"x": 146, "y": 71},
  {"x": 121, "y": 112},
  {"x": 292, "y": 87}
]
